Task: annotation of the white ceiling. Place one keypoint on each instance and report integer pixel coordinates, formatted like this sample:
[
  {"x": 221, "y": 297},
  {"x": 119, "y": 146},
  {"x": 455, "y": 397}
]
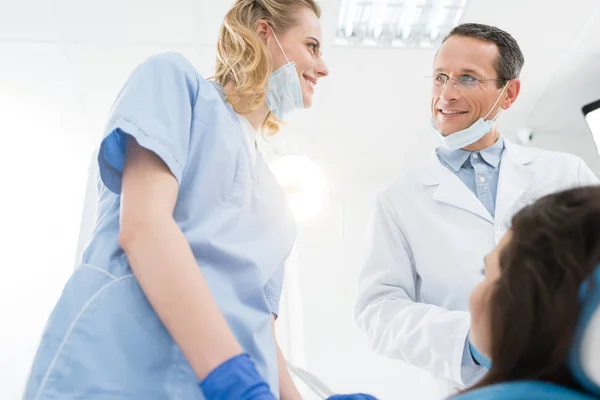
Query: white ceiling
[{"x": 64, "y": 61}]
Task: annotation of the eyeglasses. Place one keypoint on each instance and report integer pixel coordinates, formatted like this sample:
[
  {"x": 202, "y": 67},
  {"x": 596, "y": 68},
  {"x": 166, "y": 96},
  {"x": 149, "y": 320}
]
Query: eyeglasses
[{"x": 463, "y": 82}]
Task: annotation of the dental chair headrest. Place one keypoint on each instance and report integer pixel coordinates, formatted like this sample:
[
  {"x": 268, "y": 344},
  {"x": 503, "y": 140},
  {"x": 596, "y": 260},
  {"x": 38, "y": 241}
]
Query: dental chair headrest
[{"x": 584, "y": 358}]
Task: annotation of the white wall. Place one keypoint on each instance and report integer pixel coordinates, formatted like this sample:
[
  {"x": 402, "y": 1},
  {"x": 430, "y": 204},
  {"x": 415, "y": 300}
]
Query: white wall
[{"x": 43, "y": 157}]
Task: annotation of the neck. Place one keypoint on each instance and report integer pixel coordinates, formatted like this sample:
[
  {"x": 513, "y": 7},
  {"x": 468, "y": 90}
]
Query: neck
[
  {"x": 256, "y": 117},
  {"x": 487, "y": 141}
]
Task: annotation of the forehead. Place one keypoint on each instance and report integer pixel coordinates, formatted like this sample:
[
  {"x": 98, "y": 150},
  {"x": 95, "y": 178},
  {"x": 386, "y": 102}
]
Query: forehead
[
  {"x": 308, "y": 24},
  {"x": 465, "y": 54}
]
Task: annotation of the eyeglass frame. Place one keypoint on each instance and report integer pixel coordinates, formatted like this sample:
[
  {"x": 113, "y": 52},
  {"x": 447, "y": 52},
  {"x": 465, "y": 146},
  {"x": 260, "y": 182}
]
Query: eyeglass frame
[{"x": 456, "y": 83}]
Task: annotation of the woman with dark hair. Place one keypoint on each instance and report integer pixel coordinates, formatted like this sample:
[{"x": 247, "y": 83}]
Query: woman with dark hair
[{"x": 525, "y": 311}]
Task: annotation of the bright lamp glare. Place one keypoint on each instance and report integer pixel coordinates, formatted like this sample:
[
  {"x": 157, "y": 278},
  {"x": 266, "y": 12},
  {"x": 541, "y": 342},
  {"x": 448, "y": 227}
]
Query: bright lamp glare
[{"x": 303, "y": 182}]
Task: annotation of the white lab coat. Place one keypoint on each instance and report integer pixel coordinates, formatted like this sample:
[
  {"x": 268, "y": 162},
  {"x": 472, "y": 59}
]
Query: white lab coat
[{"x": 430, "y": 235}]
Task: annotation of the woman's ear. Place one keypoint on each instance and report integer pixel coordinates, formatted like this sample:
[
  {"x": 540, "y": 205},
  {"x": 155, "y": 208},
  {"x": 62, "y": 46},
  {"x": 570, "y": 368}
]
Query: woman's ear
[{"x": 263, "y": 30}]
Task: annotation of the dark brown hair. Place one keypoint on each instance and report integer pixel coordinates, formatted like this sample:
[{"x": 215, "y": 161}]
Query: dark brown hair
[{"x": 534, "y": 305}]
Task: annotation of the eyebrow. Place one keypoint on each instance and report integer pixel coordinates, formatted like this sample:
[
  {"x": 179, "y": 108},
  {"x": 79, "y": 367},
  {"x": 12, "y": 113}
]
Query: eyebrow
[{"x": 316, "y": 40}]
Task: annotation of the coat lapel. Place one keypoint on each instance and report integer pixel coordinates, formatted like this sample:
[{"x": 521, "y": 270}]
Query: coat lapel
[
  {"x": 513, "y": 181},
  {"x": 449, "y": 189}
]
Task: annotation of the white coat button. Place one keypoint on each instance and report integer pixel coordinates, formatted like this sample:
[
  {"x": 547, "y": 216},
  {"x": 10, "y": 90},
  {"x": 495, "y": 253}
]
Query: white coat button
[
  {"x": 482, "y": 179},
  {"x": 475, "y": 156}
]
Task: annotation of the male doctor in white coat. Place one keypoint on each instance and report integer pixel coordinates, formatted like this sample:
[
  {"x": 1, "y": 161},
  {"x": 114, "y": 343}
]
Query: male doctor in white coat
[{"x": 434, "y": 226}]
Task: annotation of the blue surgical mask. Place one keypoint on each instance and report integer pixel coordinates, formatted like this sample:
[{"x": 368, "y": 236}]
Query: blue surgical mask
[
  {"x": 470, "y": 135},
  {"x": 285, "y": 92}
]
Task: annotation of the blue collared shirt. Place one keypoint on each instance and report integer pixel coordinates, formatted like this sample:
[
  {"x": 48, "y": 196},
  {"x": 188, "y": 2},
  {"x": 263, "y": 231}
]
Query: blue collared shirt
[{"x": 478, "y": 170}]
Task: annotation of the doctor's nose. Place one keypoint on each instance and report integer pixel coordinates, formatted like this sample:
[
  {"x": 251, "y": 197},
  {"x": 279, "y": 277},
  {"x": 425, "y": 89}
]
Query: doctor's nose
[{"x": 448, "y": 91}]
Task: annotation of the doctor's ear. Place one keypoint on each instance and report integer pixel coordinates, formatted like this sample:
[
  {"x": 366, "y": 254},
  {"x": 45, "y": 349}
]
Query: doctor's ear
[
  {"x": 513, "y": 88},
  {"x": 263, "y": 30}
]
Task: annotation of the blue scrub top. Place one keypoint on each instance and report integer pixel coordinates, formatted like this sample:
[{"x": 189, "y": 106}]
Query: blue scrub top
[{"x": 103, "y": 338}]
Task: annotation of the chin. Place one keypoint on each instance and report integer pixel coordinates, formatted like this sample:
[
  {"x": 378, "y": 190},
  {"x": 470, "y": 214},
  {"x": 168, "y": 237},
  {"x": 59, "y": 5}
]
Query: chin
[
  {"x": 447, "y": 130},
  {"x": 307, "y": 101},
  {"x": 444, "y": 130}
]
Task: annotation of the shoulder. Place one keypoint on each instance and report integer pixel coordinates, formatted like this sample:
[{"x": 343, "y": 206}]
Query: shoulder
[
  {"x": 541, "y": 157},
  {"x": 168, "y": 73},
  {"x": 169, "y": 62},
  {"x": 414, "y": 179}
]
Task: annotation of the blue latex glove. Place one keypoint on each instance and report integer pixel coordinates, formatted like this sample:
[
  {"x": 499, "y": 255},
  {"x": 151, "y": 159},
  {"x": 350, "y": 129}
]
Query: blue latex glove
[
  {"x": 236, "y": 379},
  {"x": 357, "y": 396}
]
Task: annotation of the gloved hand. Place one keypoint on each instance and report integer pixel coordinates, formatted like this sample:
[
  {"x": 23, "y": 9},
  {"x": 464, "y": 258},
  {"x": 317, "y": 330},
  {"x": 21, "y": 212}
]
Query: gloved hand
[
  {"x": 236, "y": 379},
  {"x": 357, "y": 396}
]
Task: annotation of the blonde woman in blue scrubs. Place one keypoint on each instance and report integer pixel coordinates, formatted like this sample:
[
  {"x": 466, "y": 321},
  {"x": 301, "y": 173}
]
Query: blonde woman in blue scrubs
[{"x": 184, "y": 268}]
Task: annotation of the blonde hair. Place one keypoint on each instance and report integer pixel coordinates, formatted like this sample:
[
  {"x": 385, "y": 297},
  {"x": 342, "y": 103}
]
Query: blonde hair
[{"x": 243, "y": 58}]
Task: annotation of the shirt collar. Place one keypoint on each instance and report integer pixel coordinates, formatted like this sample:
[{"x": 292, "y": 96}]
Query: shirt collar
[
  {"x": 454, "y": 158},
  {"x": 493, "y": 154},
  {"x": 457, "y": 158}
]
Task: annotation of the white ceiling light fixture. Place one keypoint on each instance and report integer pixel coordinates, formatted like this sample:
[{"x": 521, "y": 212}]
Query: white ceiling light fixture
[
  {"x": 592, "y": 117},
  {"x": 397, "y": 23},
  {"x": 304, "y": 183}
]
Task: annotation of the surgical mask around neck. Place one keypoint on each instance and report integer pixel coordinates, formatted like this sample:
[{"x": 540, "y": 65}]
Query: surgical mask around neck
[
  {"x": 470, "y": 135},
  {"x": 285, "y": 92}
]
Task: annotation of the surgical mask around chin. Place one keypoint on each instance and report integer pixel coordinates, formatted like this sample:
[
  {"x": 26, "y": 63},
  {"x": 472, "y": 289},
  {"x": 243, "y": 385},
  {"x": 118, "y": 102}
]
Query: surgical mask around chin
[
  {"x": 285, "y": 92},
  {"x": 470, "y": 135}
]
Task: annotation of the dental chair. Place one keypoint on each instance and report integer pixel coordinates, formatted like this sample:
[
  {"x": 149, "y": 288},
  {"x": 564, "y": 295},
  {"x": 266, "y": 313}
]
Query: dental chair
[{"x": 584, "y": 360}]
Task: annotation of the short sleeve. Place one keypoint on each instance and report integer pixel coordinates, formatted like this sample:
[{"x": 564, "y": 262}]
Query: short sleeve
[
  {"x": 273, "y": 289},
  {"x": 155, "y": 107}
]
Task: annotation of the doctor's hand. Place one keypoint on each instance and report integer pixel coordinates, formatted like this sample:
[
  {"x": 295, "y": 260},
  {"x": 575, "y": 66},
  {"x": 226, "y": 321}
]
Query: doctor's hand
[{"x": 357, "y": 396}]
